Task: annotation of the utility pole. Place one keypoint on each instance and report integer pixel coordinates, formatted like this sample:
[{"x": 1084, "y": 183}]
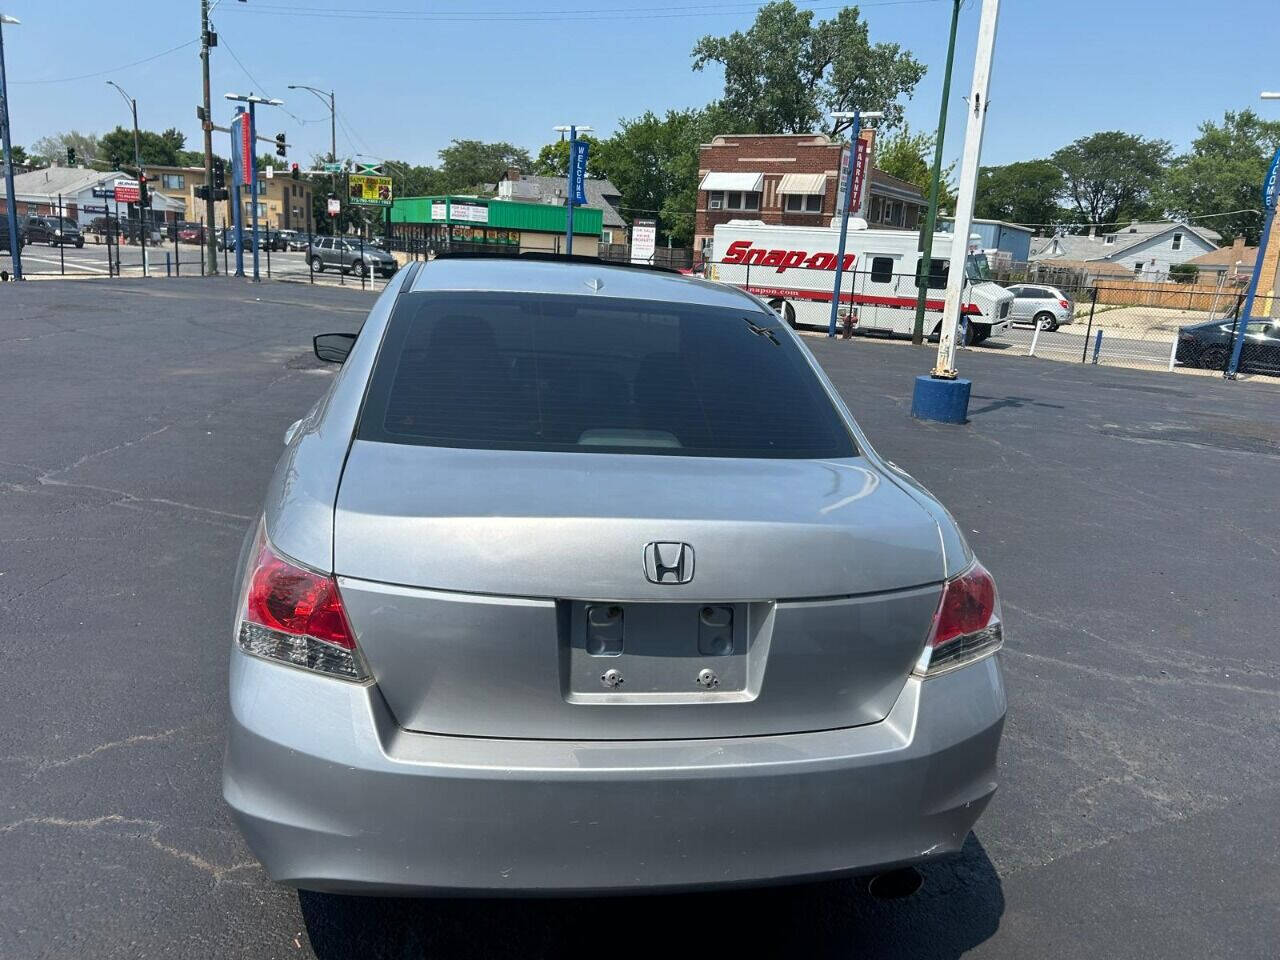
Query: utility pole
[
  {"x": 942, "y": 395},
  {"x": 931, "y": 218},
  {"x": 11, "y": 204},
  {"x": 858, "y": 116},
  {"x": 210, "y": 208}
]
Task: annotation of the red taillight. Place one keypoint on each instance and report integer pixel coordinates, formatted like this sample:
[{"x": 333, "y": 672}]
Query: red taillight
[
  {"x": 967, "y": 625},
  {"x": 295, "y": 616},
  {"x": 1064, "y": 304},
  {"x": 293, "y": 600}
]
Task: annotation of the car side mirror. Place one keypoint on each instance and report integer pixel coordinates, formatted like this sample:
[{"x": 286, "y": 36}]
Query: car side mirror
[{"x": 333, "y": 347}]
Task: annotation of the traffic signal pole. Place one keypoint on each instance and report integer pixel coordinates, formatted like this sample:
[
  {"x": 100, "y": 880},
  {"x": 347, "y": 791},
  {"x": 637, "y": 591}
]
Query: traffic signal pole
[{"x": 15, "y": 253}]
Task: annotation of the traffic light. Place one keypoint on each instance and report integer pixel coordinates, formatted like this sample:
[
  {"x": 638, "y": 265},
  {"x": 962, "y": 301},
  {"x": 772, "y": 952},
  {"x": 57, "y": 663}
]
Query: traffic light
[
  {"x": 71, "y": 156},
  {"x": 219, "y": 173},
  {"x": 294, "y": 172},
  {"x": 143, "y": 199},
  {"x": 280, "y": 148}
]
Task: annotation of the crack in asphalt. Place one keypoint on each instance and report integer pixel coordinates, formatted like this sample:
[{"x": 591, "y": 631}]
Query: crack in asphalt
[{"x": 149, "y": 833}]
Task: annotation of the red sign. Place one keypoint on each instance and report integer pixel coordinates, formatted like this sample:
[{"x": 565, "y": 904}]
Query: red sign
[
  {"x": 741, "y": 251},
  {"x": 246, "y": 150},
  {"x": 127, "y": 191},
  {"x": 859, "y": 175}
]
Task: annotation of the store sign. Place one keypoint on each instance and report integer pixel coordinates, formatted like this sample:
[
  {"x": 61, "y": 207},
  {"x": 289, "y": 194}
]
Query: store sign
[
  {"x": 104, "y": 193},
  {"x": 335, "y": 206},
  {"x": 127, "y": 191},
  {"x": 470, "y": 212},
  {"x": 1269, "y": 185},
  {"x": 644, "y": 238},
  {"x": 369, "y": 190},
  {"x": 245, "y": 134},
  {"x": 439, "y": 212}
]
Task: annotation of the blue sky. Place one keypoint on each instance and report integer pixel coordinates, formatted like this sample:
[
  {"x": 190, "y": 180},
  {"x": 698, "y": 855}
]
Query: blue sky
[{"x": 411, "y": 76}]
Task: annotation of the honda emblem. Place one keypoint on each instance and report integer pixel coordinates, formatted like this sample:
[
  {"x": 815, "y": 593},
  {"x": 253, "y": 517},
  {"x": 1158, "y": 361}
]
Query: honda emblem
[{"x": 668, "y": 562}]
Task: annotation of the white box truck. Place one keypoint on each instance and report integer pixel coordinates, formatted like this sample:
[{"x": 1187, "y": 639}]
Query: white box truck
[{"x": 793, "y": 270}]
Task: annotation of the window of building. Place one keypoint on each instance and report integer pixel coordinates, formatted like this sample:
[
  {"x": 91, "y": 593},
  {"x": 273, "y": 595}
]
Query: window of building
[
  {"x": 938, "y": 271},
  {"x": 804, "y": 203},
  {"x": 1137, "y": 267},
  {"x": 877, "y": 210},
  {"x": 173, "y": 181},
  {"x": 1177, "y": 241},
  {"x": 733, "y": 200},
  {"x": 881, "y": 269},
  {"x": 1111, "y": 238}
]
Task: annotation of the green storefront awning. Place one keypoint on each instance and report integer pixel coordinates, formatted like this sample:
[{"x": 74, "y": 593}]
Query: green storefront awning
[{"x": 499, "y": 214}]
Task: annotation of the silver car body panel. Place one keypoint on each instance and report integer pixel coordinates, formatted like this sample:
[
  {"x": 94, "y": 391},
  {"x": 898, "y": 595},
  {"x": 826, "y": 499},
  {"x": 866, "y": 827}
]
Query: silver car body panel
[
  {"x": 482, "y": 758},
  {"x": 332, "y": 794}
]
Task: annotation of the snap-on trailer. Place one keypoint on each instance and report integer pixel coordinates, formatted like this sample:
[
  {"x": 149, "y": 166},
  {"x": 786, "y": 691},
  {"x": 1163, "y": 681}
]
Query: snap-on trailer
[{"x": 792, "y": 268}]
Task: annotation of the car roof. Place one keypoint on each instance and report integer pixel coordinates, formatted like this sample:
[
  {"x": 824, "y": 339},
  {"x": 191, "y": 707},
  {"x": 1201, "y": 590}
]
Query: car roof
[{"x": 518, "y": 275}]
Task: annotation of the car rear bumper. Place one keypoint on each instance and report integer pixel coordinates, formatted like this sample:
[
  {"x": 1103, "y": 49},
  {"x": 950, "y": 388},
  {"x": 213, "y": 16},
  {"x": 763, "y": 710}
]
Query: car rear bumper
[{"x": 331, "y": 794}]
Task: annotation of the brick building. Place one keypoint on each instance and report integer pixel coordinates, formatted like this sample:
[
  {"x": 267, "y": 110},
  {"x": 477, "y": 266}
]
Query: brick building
[{"x": 791, "y": 179}]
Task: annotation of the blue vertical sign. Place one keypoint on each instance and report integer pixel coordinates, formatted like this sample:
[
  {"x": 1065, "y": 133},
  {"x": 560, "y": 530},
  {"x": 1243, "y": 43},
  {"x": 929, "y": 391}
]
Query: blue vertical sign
[
  {"x": 1269, "y": 190},
  {"x": 578, "y": 172},
  {"x": 238, "y": 125}
]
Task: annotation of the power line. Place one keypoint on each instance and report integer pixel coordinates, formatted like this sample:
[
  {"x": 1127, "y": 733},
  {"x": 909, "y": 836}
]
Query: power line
[
  {"x": 523, "y": 16},
  {"x": 103, "y": 73},
  {"x": 256, "y": 83}
]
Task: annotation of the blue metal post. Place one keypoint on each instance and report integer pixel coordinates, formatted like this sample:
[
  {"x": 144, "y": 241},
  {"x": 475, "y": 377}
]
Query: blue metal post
[
  {"x": 568, "y": 193},
  {"x": 236, "y": 215},
  {"x": 1269, "y": 198},
  {"x": 844, "y": 221},
  {"x": 1097, "y": 346},
  {"x": 11, "y": 206},
  {"x": 253, "y": 186}
]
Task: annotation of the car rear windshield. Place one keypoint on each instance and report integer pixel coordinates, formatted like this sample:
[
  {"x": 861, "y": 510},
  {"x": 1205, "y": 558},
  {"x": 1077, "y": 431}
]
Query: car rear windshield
[{"x": 598, "y": 375}]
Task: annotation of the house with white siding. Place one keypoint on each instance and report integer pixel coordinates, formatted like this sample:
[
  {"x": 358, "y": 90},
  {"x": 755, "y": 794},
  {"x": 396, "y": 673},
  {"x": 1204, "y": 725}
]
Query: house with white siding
[{"x": 1147, "y": 250}]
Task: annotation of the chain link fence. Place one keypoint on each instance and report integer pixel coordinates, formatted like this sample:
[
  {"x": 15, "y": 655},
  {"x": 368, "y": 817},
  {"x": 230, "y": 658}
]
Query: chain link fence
[{"x": 1165, "y": 326}]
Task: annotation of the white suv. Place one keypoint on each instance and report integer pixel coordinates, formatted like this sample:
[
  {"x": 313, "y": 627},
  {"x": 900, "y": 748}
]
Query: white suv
[{"x": 1046, "y": 307}]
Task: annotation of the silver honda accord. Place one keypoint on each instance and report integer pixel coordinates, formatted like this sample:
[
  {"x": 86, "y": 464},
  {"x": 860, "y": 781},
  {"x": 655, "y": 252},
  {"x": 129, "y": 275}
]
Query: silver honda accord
[{"x": 582, "y": 578}]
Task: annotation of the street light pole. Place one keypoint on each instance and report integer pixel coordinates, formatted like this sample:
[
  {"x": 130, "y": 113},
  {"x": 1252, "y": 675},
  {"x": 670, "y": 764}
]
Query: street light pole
[
  {"x": 573, "y": 130},
  {"x": 931, "y": 218},
  {"x": 858, "y": 116},
  {"x": 11, "y": 205},
  {"x": 333, "y": 135},
  {"x": 137, "y": 162},
  {"x": 252, "y": 166}
]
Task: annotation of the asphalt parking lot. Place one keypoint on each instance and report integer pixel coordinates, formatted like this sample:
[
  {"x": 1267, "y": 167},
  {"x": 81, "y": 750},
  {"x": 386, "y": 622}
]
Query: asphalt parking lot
[{"x": 1129, "y": 517}]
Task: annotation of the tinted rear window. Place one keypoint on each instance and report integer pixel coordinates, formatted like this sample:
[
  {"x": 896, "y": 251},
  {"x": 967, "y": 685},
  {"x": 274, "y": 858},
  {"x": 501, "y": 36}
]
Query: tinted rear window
[{"x": 590, "y": 374}]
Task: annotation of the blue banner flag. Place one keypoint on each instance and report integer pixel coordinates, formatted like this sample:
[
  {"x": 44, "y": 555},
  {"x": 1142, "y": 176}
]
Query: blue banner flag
[
  {"x": 1270, "y": 183},
  {"x": 578, "y": 173}
]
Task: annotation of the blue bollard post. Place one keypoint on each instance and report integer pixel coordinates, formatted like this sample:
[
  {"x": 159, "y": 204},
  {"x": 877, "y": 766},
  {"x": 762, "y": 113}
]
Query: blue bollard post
[
  {"x": 168, "y": 265},
  {"x": 946, "y": 401},
  {"x": 1097, "y": 346}
]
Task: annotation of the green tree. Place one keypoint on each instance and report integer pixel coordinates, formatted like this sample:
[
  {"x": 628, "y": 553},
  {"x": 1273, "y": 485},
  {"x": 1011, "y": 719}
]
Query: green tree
[
  {"x": 17, "y": 154},
  {"x": 476, "y": 165},
  {"x": 1025, "y": 192},
  {"x": 787, "y": 73},
  {"x": 653, "y": 161},
  {"x": 1224, "y": 172},
  {"x": 414, "y": 180},
  {"x": 553, "y": 159},
  {"x": 1110, "y": 176},
  {"x": 909, "y": 157},
  {"x": 53, "y": 148},
  {"x": 116, "y": 148}
]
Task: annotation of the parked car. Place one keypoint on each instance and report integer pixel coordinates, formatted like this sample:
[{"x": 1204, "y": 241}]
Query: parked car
[
  {"x": 131, "y": 232},
  {"x": 4, "y": 236},
  {"x": 583, "y": 578},
  {"x": 191, "y": 233},
  {"x": 227, "y": 239},
  {"x": 1046, "y": 307},
  {"x": 299, "y": 241},
  {"x": 1209, "y": 344},
  {"x": 351, "y": 256},
  {"x": 55, "y": 231}
]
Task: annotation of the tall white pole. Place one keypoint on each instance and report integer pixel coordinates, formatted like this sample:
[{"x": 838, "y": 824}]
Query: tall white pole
[{"x": 946, "y": 366}]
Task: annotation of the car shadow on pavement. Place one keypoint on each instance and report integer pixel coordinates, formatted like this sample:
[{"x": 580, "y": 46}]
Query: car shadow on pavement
[{"x": 958, "y": 908}]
